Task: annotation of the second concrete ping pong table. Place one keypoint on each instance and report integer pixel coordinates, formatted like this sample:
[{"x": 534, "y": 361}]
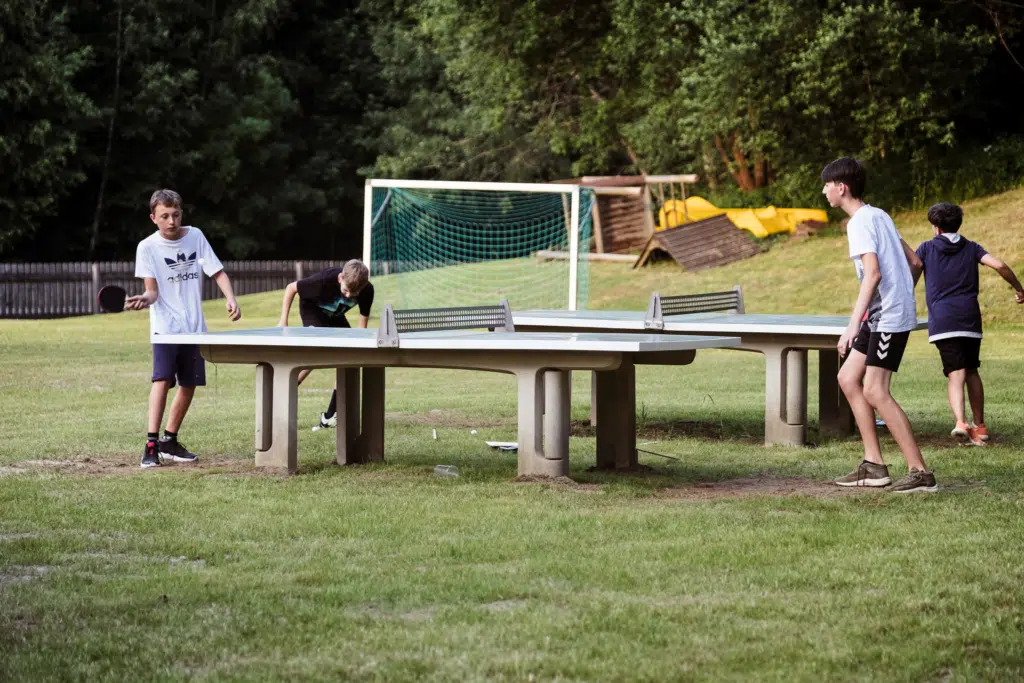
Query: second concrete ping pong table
[
  {"x": 541, "y": 363},
  {"x": 783, "y": 339}
]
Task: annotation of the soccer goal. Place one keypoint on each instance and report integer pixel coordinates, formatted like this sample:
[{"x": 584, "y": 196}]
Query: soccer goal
[{"x": 441, "y": 243}]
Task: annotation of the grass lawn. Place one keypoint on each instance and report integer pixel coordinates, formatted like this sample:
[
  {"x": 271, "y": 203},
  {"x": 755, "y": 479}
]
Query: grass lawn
[{"x": 722, "y": 560}]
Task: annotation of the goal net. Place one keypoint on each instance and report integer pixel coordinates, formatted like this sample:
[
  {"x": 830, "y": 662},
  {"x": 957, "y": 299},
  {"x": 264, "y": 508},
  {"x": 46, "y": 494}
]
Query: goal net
[{"x": 432, "y": 244}]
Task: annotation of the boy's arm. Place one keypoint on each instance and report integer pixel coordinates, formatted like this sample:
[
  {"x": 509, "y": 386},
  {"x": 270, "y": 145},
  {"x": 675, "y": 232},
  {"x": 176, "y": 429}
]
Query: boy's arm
[
  {"x": 364, "y": 320},
  {"x": 222, "y": 280},
  {"x": 145, "y": 300},
  {"x": 1004, "y": 270},
  {"x": 913, "y": 260},
  {"x": 872, "y": 276},
  {"x": 286, "y": 303}
]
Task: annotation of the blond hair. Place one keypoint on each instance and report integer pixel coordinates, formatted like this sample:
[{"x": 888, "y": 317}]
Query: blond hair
[
  {"x": 355, "y": 275},
  {"x": 165, "y": 197}
]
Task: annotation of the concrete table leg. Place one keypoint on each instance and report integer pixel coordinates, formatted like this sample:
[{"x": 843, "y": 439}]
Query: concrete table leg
[
  {"x": 593, "y": 399},
  {"x": 531, "y": 392},
  {"x": 283, "y": 451},
  {"x": 796, "y": 387},
  {"x": 264, "y": 406},
  {"x": 616, "y": 418},
  {"x": 556, "y": 415},
  {"x": 347, "y": 432},
  {"x": 777, "y": 429},
  {"x": 828, "y": 391},
  {"x": 373, "y": 415}
]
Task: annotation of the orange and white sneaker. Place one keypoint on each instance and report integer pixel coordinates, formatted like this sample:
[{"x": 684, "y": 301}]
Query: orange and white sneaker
[
  {"x": 965, "y": 433},
  {"x": 978, "y": 432}
]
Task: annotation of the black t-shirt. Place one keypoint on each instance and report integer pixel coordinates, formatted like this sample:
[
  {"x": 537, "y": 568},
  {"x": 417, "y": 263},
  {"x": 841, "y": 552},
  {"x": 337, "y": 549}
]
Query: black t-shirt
[{"x": 324, "y": 291}]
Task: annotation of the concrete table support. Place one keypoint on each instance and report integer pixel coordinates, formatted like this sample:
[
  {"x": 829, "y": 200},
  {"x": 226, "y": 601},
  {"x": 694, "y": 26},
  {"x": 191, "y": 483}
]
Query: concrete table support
[
  {"x": 784, "y": 340},
  {"x": 541, "y": 363}
]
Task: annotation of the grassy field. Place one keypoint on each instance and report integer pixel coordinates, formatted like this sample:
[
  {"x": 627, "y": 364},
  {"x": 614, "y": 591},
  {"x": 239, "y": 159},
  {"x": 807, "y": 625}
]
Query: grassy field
[{"x": 722, "y": 560}]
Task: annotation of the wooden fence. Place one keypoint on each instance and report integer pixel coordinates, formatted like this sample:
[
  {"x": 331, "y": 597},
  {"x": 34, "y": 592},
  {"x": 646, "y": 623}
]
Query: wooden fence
[{"x": 59, "y": 290}]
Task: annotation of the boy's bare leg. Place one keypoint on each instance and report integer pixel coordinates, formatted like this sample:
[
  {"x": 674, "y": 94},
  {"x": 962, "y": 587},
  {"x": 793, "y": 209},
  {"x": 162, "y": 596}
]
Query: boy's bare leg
[
  {"x": 851, "y": 379},
  {"x": 876, "y": 393},
  {"x": 157, "y": 402},
  {"x": 976, "y": 393},
  {"x": 956, "y": 395},
  {"x": 179, "y": 406}
]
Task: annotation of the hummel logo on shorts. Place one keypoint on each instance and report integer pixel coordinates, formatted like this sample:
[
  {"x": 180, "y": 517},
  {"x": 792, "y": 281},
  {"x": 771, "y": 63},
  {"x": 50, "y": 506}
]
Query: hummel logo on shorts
[{"x": 883, "y": 345}]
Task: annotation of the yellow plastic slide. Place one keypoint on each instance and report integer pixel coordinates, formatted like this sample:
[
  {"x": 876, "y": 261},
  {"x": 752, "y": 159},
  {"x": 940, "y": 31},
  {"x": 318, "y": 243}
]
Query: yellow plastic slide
[{"x": 760, "y": 222}]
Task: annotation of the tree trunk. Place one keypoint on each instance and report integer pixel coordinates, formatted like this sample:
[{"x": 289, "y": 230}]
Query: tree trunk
[
  {"x": 737, "y": 164},
  {"x": 760, "y": 170},
  {"x": 98, "y": 215}
]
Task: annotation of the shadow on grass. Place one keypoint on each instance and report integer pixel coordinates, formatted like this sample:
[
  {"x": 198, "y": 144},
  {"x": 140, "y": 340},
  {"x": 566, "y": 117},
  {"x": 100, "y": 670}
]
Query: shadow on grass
[{"x": 733, "y": 430}]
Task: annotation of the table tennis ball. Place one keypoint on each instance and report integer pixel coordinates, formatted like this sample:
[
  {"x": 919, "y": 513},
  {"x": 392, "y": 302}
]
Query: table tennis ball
[{"x": 201, "y": 261}]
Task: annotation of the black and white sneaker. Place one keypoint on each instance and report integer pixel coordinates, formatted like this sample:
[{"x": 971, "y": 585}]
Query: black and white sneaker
[
  {"x": 150, "y": 457},
  {"x": 170, "y": 449},
  {"x": 326, "y": 422}
]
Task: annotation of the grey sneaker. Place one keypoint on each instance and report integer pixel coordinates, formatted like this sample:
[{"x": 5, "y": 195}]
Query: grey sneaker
[
  {"x": 326, "y": 422},
  {"x": 915, "y": 481},
  {"x": 867, "y": 474}
]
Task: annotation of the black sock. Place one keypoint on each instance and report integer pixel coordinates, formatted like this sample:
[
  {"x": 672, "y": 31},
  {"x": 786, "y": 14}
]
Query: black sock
[
  {"x": 151, "y": 436},
  {"x": 170, "y": 436},
  {"x": 333, "y": 407}
]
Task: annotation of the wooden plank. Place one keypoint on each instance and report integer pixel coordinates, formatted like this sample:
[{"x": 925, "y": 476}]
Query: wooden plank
[
  {"x": 595, "y": 212},
  {"x": 678, "y": 178}
]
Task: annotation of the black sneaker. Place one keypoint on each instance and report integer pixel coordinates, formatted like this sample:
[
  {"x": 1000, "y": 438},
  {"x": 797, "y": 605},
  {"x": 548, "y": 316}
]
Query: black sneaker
[
  {"x": 170, "y": 449},
  {"x": 150, "y": 457},
  {"x": 326, "y": 422},
  {"x": 867, "y": 474},
  {"x": 916, "y": 481}
]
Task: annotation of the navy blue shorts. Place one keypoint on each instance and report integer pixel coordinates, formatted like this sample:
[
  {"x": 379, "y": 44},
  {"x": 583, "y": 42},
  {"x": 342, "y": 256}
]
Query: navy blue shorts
[{"x": 179, "y": 361}]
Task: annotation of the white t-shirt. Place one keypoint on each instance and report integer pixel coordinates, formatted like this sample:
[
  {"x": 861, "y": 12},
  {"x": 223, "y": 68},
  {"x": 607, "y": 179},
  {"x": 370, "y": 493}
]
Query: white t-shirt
[
  {"x": 892, "y": 308},
  {"x": 177, "y": 267}
]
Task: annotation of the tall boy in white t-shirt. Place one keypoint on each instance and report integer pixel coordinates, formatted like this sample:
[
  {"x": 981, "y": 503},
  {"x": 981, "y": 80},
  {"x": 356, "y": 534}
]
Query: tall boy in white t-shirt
[
  {"x": 883, "y": 317},
  {"x": 171, "y": 263}
]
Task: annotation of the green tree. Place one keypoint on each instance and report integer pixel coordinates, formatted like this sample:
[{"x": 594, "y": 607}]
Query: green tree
[{"x": 41, "y": 114}]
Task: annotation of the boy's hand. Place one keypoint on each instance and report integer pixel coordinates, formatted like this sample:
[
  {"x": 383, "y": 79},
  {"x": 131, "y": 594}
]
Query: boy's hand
[
  {"x": 234, "y": 311},
  {"x": 846, "y": 340},
  {"x": 136, "y": 303},
  {"x": 283, "y": 322},
  {"x": 1019, "y": 296}
]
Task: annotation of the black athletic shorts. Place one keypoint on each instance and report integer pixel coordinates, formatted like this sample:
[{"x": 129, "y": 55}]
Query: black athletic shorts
[
  {"x": 314, "y": 316},
  {"x": 883, "y": 349},
  {"x": 959, "y": 353}
]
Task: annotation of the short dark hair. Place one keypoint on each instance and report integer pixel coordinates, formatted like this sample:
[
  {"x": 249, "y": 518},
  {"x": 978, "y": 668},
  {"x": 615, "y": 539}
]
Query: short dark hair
[
  {"x": 847, "y": 171},
  {"x": 946, "y": 217}
]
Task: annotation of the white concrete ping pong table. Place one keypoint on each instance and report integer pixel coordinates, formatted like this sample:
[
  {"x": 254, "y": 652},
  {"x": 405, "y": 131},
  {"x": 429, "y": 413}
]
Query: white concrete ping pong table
[
  {"x": 783, "y": 339},
  {"x": 541, "y": 362}
]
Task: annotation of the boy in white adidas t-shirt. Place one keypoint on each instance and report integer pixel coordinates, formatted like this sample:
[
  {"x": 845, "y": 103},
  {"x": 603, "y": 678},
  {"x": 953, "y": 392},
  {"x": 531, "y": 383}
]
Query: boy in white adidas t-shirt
[
  {"x": 883, "y": 317},
  {"x": 171, "y": 262}
]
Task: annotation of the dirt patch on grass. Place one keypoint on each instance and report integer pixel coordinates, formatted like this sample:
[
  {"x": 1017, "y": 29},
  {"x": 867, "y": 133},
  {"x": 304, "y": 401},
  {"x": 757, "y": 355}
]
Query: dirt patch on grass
[
  {"x": 121, "y": 465},
  {"x": 559, "y": 482},
  {"x": 761, "y": 485},
  {"x": 682, "y": 429},
  {"x": 20, "y": 574}
]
